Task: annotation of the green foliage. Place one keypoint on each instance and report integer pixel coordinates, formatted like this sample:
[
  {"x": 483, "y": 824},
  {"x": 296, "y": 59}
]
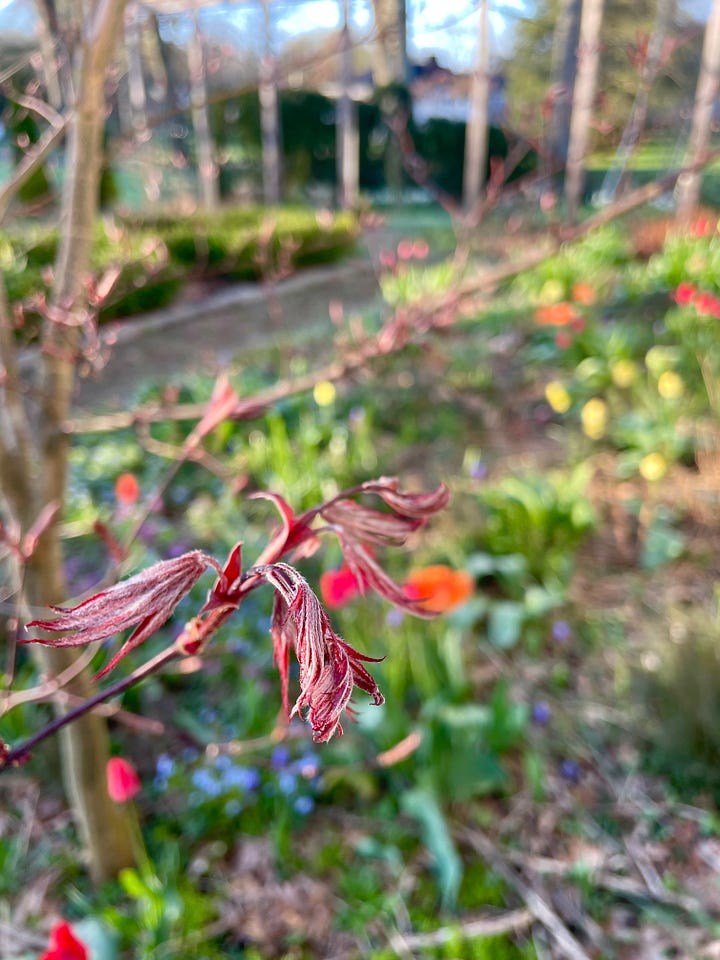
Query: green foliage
[
  {"x": 156, "y": 255},
  {"x": 595, "y": 259},
  {"x": 410, "y": 284},
  {"x": 541, "y": 517},
  {"x": 680, "y": 695},
  {"x": 307, "y": 122},
  {"x": 624, "y": 22}
]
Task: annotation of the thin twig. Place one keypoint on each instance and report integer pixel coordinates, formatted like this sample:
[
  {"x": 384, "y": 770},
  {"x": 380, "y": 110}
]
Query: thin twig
[
  {"x": 50, "y": 687},
  {"x": 511, "y": 922},
  {"x": 38, "y": 106},
  {"x": 19, "y": 754},
  {"x": 539, "y": 907},
  {"x": 32, "y": 160}
]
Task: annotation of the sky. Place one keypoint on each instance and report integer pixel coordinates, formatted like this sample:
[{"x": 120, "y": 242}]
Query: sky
[{"x": 446, "y": 29}]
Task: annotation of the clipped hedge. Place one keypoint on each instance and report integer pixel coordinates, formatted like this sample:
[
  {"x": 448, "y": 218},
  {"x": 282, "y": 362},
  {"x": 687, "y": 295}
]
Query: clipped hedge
[{"x": 159, "y": 254}]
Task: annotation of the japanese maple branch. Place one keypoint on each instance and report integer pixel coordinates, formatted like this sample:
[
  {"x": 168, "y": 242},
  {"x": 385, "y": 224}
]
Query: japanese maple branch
[{"x": 19, "y": 754}]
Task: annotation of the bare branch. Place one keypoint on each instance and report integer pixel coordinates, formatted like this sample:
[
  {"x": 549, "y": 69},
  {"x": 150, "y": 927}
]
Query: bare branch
[
  {"x": 33, "y": 159},
  {"x": 38, "y": 106}
]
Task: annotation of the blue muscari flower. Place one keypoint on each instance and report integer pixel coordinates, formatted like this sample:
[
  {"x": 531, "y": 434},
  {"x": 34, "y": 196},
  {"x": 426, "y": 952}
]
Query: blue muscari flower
[
  {"x": 561, "y": 630},
  {"x": 394, "y": 617},
  {"x": 164, "y": 766},
  {"x": 287, "y": 783},
  {"x": 304, "y": 805},
  {"x": 206, "y": 782},
  {"x": 244, "y": 778},
  {"x": 239, "y": 646},
  {"x": 541, "y": 713},
  {"x": 569, "y": 770},
  {"x": 208, "y": 715},
  {"x": 233, "y": 807},
  {"x": 280, "y": 757},
  {"x": 356, "y": 415},
  {"x": 223, "y": 762},
  {"x": 478, "y": 470},
  {"x": 176, "y": 549},
  {"x": 190, "y": 754},
  {"x": 308, "y": 766}
]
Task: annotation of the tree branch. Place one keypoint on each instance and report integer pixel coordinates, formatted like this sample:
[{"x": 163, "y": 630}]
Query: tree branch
[
  {"x": 33, "y": 159},
  {"x": 21, "y": 753}
]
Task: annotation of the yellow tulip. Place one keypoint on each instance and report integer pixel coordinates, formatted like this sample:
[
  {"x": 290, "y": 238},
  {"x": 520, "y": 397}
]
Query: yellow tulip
[
  {"x": 552, "y": 291},
  {"x": 653, "y": 467},
  {"x": 670, "y": 385},
  {"x": 623, "y": 373},
  {"x": 557, "y": 396},
  {"x": 593, "y": 417},
  {"x": 324, "y": 393}
]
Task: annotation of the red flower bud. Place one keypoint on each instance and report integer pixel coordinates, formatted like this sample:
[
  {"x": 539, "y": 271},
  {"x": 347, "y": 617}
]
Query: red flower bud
[{"x": 123, "y": 783}]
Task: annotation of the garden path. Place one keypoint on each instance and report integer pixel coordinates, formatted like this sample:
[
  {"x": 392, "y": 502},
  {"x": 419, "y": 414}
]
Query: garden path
[{"x": 206, "y": 332}]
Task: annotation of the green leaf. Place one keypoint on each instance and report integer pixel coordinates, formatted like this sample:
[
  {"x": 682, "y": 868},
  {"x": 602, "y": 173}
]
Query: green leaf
[
  {"x": 468, "y": 613},
  {"x": 200, "y": 731},
  {"x": 505, "y": 622},
  {"x": 421, "y": 804},
  {"x": 101, "y": 940},
  {"x": 662, "y": 544},
  {"x": 464, "y": 715},
  {"x": 133, "y": 884},
  {"x": 539, "y": 601}
]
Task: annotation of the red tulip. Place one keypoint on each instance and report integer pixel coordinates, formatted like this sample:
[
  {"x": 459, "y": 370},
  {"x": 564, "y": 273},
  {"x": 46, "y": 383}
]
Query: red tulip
[
  {"x": 127, "y": 488},
  {"x": 123, "y": 783},
  {"x": 64, "y": 945}
]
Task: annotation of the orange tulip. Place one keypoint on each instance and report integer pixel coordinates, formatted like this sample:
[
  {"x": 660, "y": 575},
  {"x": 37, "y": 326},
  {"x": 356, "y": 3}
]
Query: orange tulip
[
  {"x": 439, "y": 588},
  {"x": 557, "y": 315},
  {"x": 583, "y": 293}
]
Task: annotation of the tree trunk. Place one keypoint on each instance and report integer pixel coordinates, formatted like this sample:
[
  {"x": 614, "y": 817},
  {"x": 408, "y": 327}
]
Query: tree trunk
[
  {"x": 269, "y": 117},
  {"x": 638, "y": 116},
  {"x": 582, "y": 107},
  {"x": 136, "y": 80},
  {"x": 688, "y": 188},
  {"x": 101, "y": 823},
  {"x": 348, "y": 159},
  {"x": 389, "y": 60},
  {"x": 476, "y": 134},
  {"x": 207, "y": 167},
  {"x": 562, "y": 70}
]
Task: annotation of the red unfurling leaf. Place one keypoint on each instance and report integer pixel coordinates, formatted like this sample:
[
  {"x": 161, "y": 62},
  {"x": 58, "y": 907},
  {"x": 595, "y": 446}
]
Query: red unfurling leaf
[
  {"x": 225, "y": 591},
  {"x": 329, "y": 667},
  {"x": 371, "y": 576},
  {"x": 421, "y": 505},
  {"x": 144, "y": 601},
  {"x": 294, "y": 535},
  {"x": 370, "y": 526}
]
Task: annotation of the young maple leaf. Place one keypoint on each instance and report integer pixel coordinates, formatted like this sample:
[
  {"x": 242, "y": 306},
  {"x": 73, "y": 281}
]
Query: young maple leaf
[
  {"x": 144, "y": 601},
  {"x": 329, "y": 667}
]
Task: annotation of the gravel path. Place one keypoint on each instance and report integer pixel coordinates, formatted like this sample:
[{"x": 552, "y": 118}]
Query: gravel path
[{"x": 206, "y": 334}]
